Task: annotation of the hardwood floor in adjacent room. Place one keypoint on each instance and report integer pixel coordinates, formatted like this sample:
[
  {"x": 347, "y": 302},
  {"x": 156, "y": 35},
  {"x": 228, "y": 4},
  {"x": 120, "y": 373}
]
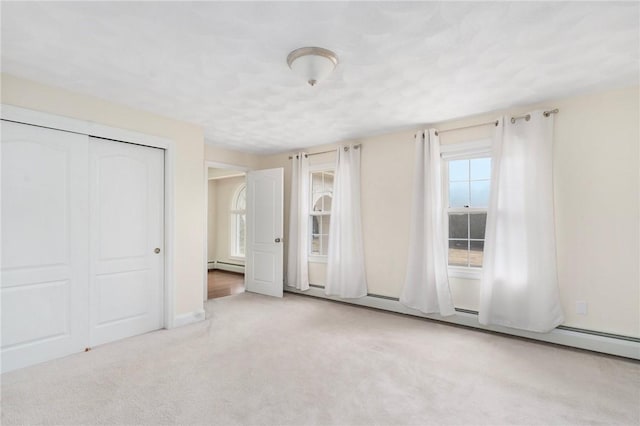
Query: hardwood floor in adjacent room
[{"x": 223, "y": 283}]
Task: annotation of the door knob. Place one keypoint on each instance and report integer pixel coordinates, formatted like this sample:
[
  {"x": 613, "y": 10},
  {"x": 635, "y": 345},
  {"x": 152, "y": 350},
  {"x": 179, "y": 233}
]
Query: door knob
[
  {"x": 278, "y": 240},
  {"x": 157, "y": 250}
]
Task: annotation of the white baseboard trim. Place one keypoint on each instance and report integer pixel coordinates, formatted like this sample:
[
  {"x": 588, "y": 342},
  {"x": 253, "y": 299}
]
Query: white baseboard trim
[
  {"x": 223, "y": 266},
  {"x": 188, "y": 318},
  {"x": 575, "y": 339}
]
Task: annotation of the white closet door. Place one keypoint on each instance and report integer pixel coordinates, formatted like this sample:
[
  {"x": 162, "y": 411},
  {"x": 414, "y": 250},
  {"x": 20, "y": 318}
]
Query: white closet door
[
  {"x": 44, "y": 244},
  {"x": 126, "y": 244}
]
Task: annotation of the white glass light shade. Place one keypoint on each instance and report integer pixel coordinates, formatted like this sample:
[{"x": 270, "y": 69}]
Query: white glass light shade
[{"x": 312, "y": 63}]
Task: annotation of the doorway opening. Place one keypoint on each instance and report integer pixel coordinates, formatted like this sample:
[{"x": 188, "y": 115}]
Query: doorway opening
[{"x": 226, "y": 230}]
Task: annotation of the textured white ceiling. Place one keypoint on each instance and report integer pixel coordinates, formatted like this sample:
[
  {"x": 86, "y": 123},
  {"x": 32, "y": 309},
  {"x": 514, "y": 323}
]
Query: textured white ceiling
[{"x": 402, "y": 64}]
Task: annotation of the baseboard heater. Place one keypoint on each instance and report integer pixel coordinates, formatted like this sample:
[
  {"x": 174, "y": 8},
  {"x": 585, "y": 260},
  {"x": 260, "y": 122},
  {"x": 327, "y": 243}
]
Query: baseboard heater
[
  {"x": 624, "y": 346},
  {"x": 226, "y": 266}
]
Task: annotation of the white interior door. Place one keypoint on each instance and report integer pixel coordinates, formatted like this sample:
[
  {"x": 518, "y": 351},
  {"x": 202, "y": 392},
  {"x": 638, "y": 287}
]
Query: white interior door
[
  {"x": 127, "y": 243},
  {"x": 264, "y": 257},
  {"x": 44, "y": 244}
]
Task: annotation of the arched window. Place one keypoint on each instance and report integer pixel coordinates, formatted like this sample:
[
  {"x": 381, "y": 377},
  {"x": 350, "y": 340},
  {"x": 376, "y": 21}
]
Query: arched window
[
  {"x": 239, "y": 221},
  {"x": 320, "y": 212}
]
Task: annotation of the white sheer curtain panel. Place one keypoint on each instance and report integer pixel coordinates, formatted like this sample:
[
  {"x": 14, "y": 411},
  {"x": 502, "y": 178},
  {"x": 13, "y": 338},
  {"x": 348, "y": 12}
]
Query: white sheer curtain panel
[
  {"x": 426, "y": 285},
  {"x": 297, "y": 255},
  {"x": 519, "y": 286},
  {"x": 346, "y": 276}
]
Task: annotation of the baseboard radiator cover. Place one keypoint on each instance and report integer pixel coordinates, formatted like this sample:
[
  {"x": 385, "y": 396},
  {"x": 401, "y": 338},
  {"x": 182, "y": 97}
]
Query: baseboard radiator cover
[
  {"x": 623, "y": 346},
  {"x": 225, "y": 266}
]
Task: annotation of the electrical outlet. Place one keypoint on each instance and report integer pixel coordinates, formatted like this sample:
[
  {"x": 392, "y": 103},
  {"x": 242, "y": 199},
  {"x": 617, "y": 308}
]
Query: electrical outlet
[{"x": 581, "y": 307}]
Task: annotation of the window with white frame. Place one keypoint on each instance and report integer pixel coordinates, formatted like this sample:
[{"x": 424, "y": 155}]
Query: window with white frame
[
  {"x": 239, "y": 222},
  {"x": 467, "y": 172},
  {"x": 321, "y": 197}
]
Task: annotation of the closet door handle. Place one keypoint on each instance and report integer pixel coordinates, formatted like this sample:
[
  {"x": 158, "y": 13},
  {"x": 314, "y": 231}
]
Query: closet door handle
[
  {"x": 157, "y": 250},
  {"x": 278, "y": 240}
]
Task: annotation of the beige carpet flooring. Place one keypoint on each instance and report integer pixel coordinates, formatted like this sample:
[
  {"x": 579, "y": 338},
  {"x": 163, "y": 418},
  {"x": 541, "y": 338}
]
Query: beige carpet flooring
[{"x": 294, "y": 361}]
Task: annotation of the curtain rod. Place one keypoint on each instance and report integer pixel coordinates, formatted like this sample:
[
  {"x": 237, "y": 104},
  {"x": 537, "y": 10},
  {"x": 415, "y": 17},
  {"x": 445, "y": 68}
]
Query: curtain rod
[
  {"x": 495, "y": 123},
  {"x": 527, "y": 117},
  {"x": 346, "y": 148}
]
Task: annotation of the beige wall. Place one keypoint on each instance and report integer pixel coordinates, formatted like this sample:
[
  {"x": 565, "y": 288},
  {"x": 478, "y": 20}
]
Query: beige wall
[
  {"x": 189, "y": 171},
  {"x": 232, "y": 158},
  {"x": 598, "y": 209},
  {"x": 219, "y": 234},
  {"x": 596, "y": 169},
  {"x": 218, "y": 173}
]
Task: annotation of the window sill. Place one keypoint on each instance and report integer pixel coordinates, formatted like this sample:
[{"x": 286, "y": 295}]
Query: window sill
[
  {"x": 313, "y": 258},
  {"x": 238, "y": 258},
  {"x": 467, "y": 273}
]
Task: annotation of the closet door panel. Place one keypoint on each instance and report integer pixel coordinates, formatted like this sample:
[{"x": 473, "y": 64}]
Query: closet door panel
[
  {"x": 127, "y": 241},
  {"x": 44, "y": 260}
]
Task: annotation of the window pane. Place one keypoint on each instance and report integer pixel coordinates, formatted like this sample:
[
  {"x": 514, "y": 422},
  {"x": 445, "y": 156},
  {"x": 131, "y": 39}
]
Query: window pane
[
  {"x": 315, "y": 244},
  {"x": 327, "y": 203},
  {"x": 328, "y": 181},
  {"x": 316, "y": 182},
  {"x": 323, "y": 204},
  {"x": 315, "y": 224},
  {"x": 458, "y": 170},
  {"x": 242, "y": 233},
  {"x": 325, "y": 244},
  {"x": 480, "y": 193},
  {"x": 317, "y": 203},
  {"x": 480, "y": 168},
  {"x": 458, "y": 225},
  {"x": 241, "y": 201},
  {"x": 324, "y": 224},
  {"x": 458, "y": 194},
  {"x": 458, "y": 253},
  {"x": 235, "y": 234},
  {"x": 476, "y": 253},
  {"x": 477, "y": 223}
]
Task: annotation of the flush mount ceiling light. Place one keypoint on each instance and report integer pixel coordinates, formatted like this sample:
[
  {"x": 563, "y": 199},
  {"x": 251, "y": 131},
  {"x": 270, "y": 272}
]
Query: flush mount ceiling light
[{"x": 312, "y": 63}]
